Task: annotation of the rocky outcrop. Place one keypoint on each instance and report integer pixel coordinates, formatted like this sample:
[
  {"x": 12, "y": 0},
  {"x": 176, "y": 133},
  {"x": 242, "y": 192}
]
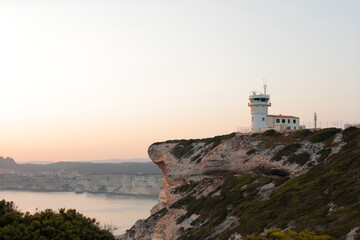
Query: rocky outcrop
[{"x": 198, "y": 174}]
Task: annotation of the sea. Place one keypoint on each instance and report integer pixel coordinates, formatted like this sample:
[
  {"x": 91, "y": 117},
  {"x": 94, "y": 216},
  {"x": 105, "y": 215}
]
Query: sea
[{"x": 121, "y": 211}]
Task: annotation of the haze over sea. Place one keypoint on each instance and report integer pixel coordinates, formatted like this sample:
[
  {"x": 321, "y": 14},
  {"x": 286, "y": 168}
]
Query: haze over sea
[{"x": 121, "y": 211}]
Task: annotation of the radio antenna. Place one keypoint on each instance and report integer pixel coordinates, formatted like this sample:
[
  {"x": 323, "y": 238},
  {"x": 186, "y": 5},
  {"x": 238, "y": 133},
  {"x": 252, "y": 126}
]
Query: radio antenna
[{"x": 265, "y": 86}]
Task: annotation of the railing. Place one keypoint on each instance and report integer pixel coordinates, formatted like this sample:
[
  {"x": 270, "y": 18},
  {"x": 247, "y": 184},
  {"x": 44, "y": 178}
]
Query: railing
[{"x": 261, "y": 103}]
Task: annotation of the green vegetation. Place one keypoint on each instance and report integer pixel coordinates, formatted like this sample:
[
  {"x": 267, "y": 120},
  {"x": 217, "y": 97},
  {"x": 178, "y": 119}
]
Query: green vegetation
[
  {"x": 48, "y": 225},
  {"x": 215, "y": 141},
  {"x": 286, "y": 151},
  {"x": 251, "y": 151},
  {"x": 323, "y": 134},
  {"x": 301, "y": 133},
  {"x": 186, "y": 188},
  {"x": 276, "y": 234},
  {"x": 325, "y": 199},
  {"x": 269, "y": 133},
  {"x": 185, "y": 148},
  {"x": 324, "y": 153},
  {"x": 299, "y": 159}
]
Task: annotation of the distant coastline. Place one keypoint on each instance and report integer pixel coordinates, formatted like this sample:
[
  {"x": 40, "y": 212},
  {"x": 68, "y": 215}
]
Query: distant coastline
[
  {"x": 109, "y": 178},
  {"x": 146, "y": 196}
]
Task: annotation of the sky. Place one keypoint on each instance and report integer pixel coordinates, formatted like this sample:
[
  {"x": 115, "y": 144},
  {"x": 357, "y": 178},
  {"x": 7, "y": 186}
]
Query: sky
[{"x": 104, "y": 79}]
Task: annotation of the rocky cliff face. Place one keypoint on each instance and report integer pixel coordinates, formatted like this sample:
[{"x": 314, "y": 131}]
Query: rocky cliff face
[{"x": 230, "y": 186}]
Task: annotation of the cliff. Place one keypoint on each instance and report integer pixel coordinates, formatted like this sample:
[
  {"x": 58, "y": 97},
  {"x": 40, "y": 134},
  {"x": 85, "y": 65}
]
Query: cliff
[{"x": 235, "y": 185}]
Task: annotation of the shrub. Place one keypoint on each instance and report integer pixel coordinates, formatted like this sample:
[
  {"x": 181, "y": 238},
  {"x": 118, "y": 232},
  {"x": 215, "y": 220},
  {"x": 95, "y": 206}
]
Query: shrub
[
  {"x": 276, "y": 234},
  {"x": 350, "y": 133},
  {"x": 64, "y": 224},
  {"x": 183, "y": 149},
  {"x": 324, "y": 153},
  {"x": 323, "y": 134},
  {"x": 215, "y": 141},
  {"x": 269, "y": 133},
  {"x": 299, "y": 159},
  {"x": 286, "y": 151},
  {"x": 251, "y": 151},
  {"x": 301, "y": 133},
  {"x": 186, "y": 188}
]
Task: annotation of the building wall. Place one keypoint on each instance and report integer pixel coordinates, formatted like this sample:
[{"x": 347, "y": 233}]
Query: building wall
[
  {"x": 287, "y": 123},
  {"x": 258, "y": 117}
]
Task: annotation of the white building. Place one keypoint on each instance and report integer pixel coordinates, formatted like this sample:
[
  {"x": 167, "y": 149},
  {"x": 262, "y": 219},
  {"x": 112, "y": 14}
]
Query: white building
[
  {"x": 259, "y": 104},
  {"x": 262, "y": 121}
]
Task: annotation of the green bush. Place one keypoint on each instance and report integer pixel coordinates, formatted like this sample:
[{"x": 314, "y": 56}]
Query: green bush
[
  {"x": 324, "y": 153},
  {"x": 215, "y": 141},
  {"x": 64, "y": 224},
  {"x": 286, "y": 151},
  {"x": 323, "y": 134},
  {"x": 299, "y": 159},
  {"x": 183, "y": 149},
  {"x": 269, "y": 133},
  {"x": 301, "y": 133},
  {"x": 277, "y": 234},
  {"x": 186, "y": 188},
  {"x": 251, "y": 151}
]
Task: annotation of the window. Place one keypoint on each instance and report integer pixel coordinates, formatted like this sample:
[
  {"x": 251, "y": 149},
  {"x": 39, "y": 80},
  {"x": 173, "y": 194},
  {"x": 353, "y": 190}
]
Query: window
[
  {"x": 294, "y": 121},
  {"x": 283, "y": 120},
  {"x": 294, "y": 127},
  {"x": 288, "y": 120},
  {"x": 252, "y": 118},
  {"x": 288, "y": 128},
  {"x": 263, "y": 119},
  {"x": 277, "y": 120}
]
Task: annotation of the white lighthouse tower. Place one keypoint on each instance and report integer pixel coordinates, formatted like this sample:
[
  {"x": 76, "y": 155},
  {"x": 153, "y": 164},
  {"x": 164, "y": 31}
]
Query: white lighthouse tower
[{"x": 259, "y": 104}]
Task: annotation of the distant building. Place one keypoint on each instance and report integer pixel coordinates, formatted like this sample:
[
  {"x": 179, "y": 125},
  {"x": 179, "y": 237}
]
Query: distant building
[
  {"x": 347, "y": 125},
  {"x": 262, "y": 121}
]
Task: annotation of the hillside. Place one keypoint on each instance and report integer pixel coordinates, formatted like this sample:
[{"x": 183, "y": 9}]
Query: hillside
[
  {"x": 84, "y": 167},
  {"x": 236, "y": 185}
]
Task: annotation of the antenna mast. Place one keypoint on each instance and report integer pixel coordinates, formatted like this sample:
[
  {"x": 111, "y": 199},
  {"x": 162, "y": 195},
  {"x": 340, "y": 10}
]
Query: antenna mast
[
  {"x": 265, "y": 86},
  {"x": 315, "y": 119}
]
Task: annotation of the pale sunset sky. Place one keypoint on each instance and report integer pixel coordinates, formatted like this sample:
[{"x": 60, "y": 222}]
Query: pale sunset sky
[{"x": 104, "y": 79}]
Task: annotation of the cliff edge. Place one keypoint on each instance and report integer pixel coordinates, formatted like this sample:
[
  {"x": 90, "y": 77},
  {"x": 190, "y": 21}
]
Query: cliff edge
[{"x": 235, "y": 185}]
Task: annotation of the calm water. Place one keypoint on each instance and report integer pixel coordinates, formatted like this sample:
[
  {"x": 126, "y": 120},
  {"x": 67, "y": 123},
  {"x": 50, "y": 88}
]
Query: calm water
[{"x": 121, "y": 211}]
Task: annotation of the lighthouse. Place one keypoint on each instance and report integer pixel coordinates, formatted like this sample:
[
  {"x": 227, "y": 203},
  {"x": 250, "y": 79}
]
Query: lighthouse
[{"x": 259, "y": 104}]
